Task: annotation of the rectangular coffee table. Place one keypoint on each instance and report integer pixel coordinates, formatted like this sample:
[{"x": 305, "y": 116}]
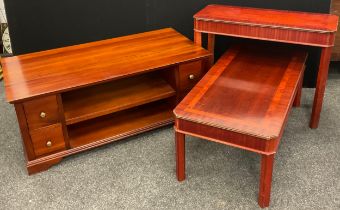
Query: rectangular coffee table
[{"x": 243, "y": 101}]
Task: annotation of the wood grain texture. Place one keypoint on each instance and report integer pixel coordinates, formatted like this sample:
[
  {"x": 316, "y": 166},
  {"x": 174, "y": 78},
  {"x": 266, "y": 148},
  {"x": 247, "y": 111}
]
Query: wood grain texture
[
  {"x": 99, "y": 100},
  {"x": 320, "y": 86},
  {"x": 269, "y": 18},
  {"x": 41, "y": 136},
  {"x": 180, "y": 155},
  {"x": 267, "y": 164},
  {"x": 335, "y": 10},
  {"x": 35, "y": 107},
  {"x": 249, "y": 90},
  {"x": 273, "y": 25},
  {"x": 267, "y": 34},
  {"x": 296, "y": 27},
  {"x": 222, "y": 136},
  {"x": 121, "y": 124},
  {"x": 63, "y": 69},
  {"x": 26, "y": 138},
  {"x": 190, "y": 74}
]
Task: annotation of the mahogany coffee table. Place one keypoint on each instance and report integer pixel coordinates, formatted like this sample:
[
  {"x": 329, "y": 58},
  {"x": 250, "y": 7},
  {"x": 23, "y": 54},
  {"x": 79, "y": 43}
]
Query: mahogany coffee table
[{"x": 243, "y": 101}]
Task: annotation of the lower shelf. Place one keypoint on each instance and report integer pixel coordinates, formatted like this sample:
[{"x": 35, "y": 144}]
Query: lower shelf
[{"x": 122, "y": 124}]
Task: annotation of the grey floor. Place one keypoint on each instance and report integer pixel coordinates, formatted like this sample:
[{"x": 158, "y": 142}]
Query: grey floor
[{"x": 139, "y": 173}]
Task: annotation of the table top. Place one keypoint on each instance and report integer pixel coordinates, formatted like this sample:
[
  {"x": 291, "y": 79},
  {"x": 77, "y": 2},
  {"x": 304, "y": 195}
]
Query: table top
[
  {"x": 249, "y": 90},
  {"x": 62, "y": 69},
  {"x": 270, "y": 18}
]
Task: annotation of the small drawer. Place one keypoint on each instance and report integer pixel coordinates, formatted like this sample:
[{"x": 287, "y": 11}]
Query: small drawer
[
  {"x": 48, "y": 139},
  {"x": 42, "y": 112},
  {"x": 190, "y": 74}
]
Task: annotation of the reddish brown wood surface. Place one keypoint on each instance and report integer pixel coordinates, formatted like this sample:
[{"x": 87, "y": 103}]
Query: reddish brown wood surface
[
  {"x": 269, "y": 18},
  {"x": 273, "y": 25},
  {"x": 243, "y": 101},
  {"x": 248, "y": 91},
  {"x": 320, "y": 86},
  {"x": 45, "y": 105},
  {"x": 121, "y": 124},
  {"x": 180, "y": 155},
  {"x": 267, "y": 163},
  {"x": 26, "y": 138},
  {"x": 53, "y": 134},
  {"x": 104, "y": 99},
  {"x": 72, "y": 67},
  {"x": 335, "y": 10},
  {"x": 190, "y": 74}
]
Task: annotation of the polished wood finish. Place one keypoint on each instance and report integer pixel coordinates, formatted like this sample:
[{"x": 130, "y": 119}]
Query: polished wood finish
[
  {"x": 99, "y": 100},
  {"x": 22, "y": 121},
  {"x": 190, "y": 74},
  {"x": 180, "y": 156},
  {"x": 254, "y": 83},
  {"x": 264, "y": 24},
  {"x": 269, "y": 18},
  {"x": 115, "y": 126},
  {"x": 297, "y": 27},
  {"x": 34, "y": 167},
  {"x": 63, "y": 69},
  {"x": 42, "y": 112},
  {"x": 48, "y": 139},
  {"x": 320, "y": 86},
  {"x": 267, "y": 163},
  {"x": 335, "y": 10},
  {"x": 73, "y": 99},
  {"x": 243, "y": 101},
  {"x": 297, "y": 101}
]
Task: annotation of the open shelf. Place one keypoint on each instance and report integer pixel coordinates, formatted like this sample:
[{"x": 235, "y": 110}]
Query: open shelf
[
  {"x": 122, "y": 124},
  {"x": 99, "y": 100}
]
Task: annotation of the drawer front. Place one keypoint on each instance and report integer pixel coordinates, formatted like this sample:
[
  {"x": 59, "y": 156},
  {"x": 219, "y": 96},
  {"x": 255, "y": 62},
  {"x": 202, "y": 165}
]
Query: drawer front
[
  {"x": 190, "y": 74},
  {"x": 42, "y": 112},
  {"x": 48, "y": 139}
]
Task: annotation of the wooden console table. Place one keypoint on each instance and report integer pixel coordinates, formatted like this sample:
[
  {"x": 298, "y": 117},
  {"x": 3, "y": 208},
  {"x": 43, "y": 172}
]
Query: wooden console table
[
  {"x": 75, "y": 98},
  {"x": 273, "y": 25}
]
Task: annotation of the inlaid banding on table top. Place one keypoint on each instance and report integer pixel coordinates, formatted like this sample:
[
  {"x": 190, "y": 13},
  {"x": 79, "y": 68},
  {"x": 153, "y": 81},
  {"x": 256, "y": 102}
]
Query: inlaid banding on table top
[
  {"x": 259, "y": 112},
  {"x": 292, "y": 20}
]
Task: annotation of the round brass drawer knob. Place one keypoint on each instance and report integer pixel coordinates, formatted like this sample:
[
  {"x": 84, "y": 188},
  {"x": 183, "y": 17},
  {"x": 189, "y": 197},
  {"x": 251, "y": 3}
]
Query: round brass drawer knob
[
  {"x": 191, "y": 76},
  {"x": 48, "y": 143},
  {"x": 42, "y": 114}
]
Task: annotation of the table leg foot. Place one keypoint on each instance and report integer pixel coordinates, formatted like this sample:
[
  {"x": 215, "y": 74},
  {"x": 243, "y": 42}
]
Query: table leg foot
[
  {"x": 265, "y": 180},
  {"x": 180, "y": 156},
  {"x": 36, "y": 167}
]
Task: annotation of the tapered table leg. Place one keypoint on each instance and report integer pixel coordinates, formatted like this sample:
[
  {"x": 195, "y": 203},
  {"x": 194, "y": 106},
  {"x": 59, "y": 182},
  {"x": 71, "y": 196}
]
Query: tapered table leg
[
  {"x": 320, "y": 86},
  {"x": 267, "y": 162}
]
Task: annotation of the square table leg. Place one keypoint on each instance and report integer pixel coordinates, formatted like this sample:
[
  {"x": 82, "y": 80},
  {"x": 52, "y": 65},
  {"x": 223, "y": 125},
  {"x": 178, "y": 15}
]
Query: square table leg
[
  {"x": 180, "y": 156},
  {"x": 198, "y": 38},
  {"x": 211, "y": 48},
  {"x": 320, "y": 86},
  {"x": 297, "y": 100},
  {"x": 267, "y": 162}
]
